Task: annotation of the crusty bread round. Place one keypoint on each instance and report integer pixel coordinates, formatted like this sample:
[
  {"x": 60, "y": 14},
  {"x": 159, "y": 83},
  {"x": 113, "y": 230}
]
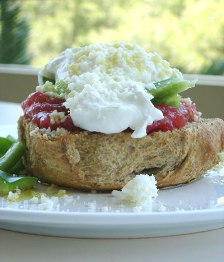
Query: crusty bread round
[{"x": 94, "y": 161}]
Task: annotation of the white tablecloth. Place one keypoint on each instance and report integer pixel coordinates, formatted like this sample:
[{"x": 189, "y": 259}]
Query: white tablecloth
[{"x": 200, "y": 247}]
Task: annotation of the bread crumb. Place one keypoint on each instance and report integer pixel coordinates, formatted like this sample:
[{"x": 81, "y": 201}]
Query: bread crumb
[{"x": 48, "y": 132}]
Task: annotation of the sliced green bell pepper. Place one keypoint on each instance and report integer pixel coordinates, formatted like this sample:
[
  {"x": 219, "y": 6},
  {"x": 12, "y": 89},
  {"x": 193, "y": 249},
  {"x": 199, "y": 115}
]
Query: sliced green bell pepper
[
  {"x": 11, "y": 183},
  {"x": 12, "y": 156},
  {"x": 5, "y": 144},
  {"x": 166, "y": 91}
]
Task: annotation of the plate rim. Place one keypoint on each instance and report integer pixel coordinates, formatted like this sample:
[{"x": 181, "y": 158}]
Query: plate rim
[
  {"x": 15, "y": 215},
  {"x": 22, "y": 220}
]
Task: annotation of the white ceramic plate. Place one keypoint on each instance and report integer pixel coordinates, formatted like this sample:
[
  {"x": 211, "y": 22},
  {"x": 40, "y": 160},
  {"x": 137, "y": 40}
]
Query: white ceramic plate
[{"x": 188, "y": 209}]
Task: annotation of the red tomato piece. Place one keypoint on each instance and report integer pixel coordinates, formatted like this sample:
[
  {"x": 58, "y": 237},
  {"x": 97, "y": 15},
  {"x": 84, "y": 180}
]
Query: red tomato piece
[
  {"x": 39, "y": 97},
  {"x": 173, "y": 117},
  {"x": 36, "y": 108}
]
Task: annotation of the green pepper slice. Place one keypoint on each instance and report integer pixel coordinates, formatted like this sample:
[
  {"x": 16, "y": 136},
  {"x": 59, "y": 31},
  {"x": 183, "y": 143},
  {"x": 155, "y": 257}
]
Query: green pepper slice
[
  {"x": 45, "y": 79},
  {"x": 172, "y": 100},
  {"x": 167, "y": 91},
  {"x": 12, "y": 156},
  {"x": 11, "y": 183},
  {"x": 5, "y": 144},
  {"x": 171, "y": 86},
  {"x": 17, "y": 168}
]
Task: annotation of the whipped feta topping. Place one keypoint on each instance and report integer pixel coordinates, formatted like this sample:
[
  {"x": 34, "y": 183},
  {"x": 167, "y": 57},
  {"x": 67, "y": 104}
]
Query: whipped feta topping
[{"x": 108, "y": 85}]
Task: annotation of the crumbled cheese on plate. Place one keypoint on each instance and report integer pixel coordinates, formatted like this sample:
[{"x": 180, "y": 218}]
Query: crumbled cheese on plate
[
  {"x": 220, "y": 201},
  {"x": 139, "y": 192},
  {"x": 138, "y": 195}
]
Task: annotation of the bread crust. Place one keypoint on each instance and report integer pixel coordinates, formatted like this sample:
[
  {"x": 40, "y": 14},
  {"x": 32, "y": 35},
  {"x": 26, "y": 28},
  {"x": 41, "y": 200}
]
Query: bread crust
[{"x": 95, "y": 161}]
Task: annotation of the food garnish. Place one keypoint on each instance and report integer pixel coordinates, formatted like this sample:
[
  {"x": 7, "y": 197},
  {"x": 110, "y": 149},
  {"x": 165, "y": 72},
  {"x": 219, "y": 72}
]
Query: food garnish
[{"x": 11, "y": 167}]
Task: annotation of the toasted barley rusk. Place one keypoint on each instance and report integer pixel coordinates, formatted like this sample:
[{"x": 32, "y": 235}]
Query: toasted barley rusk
[{"x": 86, "y": 160}]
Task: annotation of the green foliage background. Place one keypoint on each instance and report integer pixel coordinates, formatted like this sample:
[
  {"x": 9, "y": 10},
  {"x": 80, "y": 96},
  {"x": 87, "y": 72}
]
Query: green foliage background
[
  {"x": 188, "y": 33},
  {"x": 14, "y": 32}
]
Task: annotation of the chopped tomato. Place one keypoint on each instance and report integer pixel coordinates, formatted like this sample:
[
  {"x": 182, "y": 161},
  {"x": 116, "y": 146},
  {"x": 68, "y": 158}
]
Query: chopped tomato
[
  {"x": 39, "y": 106},
  {"x": 173, "y": 117}
]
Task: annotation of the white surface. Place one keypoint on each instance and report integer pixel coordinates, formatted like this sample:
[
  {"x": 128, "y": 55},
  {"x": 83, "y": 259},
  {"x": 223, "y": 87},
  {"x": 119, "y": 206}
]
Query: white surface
[
  {"x": 206, "y": 246},
  {"x": 201, "y": 247},
  {"x": 9, "y": 113}
]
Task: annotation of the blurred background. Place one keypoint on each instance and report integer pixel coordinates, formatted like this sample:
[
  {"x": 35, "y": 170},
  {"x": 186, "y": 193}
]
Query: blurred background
[{"x": 187, "y": 33}]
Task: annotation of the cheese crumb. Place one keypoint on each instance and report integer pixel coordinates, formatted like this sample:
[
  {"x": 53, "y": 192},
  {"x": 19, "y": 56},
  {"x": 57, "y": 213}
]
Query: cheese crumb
[
  {"x": 139, "y": 192},
  {"x": 57, "y": 117},
  {"x": 220, "y": 201},
  {"x": 48, "y": 132},
  {"x": 34, "y": 200},
  {"x": 48, "y": 204},
  {"x": 61, "y": 192},
  {"x": 14, "y": 196}
]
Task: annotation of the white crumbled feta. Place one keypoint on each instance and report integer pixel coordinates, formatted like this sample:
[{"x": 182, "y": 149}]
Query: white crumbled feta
[
  {"x": 61, "y": 193},
  {"x": 14, "y": 196},
  {"x": 51, "y": 203},
  {"x": 139, "y": 192},
  {"x": 105, "y": 209},
  {"x": 46, "y": 87},
  {"x": 57, "y": 117},
  {"x": 48, "y": 203},
  {"x": 188, "y": 101},
  {"x": 48, "y": 132},
  {"x": 34, "y": 200},
  {"x": 162, "y": 208},
  {"x": 91, "y": 206},
  {"x": 220, "y": 201},
  {"x": 68, "y": 200},
  {"x": 108, "y": 86}
]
